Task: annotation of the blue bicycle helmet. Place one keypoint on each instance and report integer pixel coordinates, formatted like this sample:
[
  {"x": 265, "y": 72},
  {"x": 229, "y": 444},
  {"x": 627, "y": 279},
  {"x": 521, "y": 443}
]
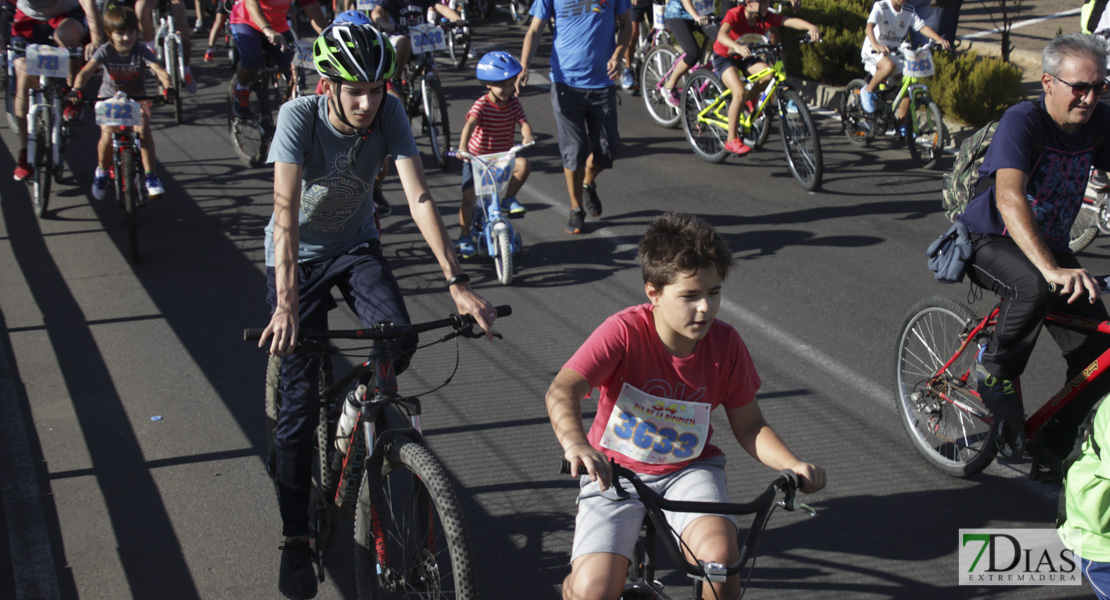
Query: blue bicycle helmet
[
  {"x": 353, "y": 17},
  {"x": 498, "y": 66}
]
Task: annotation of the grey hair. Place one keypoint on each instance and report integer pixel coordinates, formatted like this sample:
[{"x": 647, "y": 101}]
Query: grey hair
[{"x": 1078, "y": 45}]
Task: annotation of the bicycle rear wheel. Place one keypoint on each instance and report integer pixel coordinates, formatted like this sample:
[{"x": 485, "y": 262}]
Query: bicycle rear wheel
[
  {"x": 853, "y": 120},
  {"x": 421, "y": 536},
  {"x": 654, "y": 70},
  {"x": 940, "y": 413},
  {"x": 247, "y": 136},
  {"x": 43, "y": 162},
  {"x": 800, "y": 141},
  {"x": 459, "y": 48},
  {"x": 927, "y": 145},
  {"x": 707, "y": 139},
  {"x": 1085, "y": 227},
  {"x": 435, "y": 111}
]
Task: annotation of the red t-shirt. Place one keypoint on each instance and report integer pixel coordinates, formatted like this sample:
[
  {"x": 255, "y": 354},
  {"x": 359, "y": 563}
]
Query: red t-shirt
[
  {"x": 738, "y": 26},
  {"x": 496, "y": 127},
  {"x": 626, "y": 349},
  {"x": 275, "y": 11}
]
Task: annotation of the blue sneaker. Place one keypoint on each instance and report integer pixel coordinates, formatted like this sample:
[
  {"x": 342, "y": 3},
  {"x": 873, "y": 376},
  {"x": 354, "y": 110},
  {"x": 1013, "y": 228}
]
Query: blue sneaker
[
  {"x": 628, "y": 80},
  {"x": 100, "y": 184},
  {"x": 466, "y": 247},
  {"x": 515, "y": 209},
  {"x": 903, "y": 132},
  {"x": 867, "y": 100},
  {"x": 154, "y": 187}
]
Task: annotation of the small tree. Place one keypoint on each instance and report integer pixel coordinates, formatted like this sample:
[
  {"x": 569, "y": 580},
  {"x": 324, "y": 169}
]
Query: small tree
[{"x": 1003, "y": 20}]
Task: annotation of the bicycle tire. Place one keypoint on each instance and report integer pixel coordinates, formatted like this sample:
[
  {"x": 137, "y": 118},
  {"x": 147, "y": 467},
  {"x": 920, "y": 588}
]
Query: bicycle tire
[
  {"x": 435, "y": 112},
  {"x": 800, "y": 141},
  {"x": 503, "y": 262},
  {"x": 414, "y": 488},
  {"x": 177, "y": 78},
  {"x": 43, "y": 163},
  {"x": 857, "y": 127},
  {"x": 130, "y": 199},
  {"x": 247, "y": 135},
  {"x": 459, "y": 53},
  {"x": 1085, "y": 227},
  {"x": 656, "y": 64},
  {"x": 324, "y": 479},
  {"x": 950, "y": 439},
  {"x": 708, "y": 140},
  {"x": 60, "y": 167},
  {"x": 273, "y": 406},
  {"x": 927, "y": 145}
]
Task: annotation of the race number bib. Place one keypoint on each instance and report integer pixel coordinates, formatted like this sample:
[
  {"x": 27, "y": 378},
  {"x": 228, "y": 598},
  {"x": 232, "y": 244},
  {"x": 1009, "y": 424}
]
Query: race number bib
[
  {"x": 303, "y": 56},
  {"x": 657, "y": 13},
  {"x": 918, "y": 63},
  {"x": 119, "y": 112},
  {"x": 495, "y": 174},
  {"x": 426, "y": 38},
  {"x": 703, "y": 7},
  {"x": 367, "y": 5},
  {"x": 47, "y": 61},
  {"x": 654, "y": 430}
]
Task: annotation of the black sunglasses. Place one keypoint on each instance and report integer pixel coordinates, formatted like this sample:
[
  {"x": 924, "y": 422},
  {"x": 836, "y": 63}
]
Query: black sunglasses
[{"x": 1082, "y": 89}]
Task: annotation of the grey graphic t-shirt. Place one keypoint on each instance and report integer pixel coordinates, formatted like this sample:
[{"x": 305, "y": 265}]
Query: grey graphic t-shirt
[{"x": 337, "y": 212}]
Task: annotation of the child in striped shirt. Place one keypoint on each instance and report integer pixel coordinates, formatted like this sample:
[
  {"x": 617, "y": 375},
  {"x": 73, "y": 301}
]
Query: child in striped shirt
[{"x": 491, "y": 127}]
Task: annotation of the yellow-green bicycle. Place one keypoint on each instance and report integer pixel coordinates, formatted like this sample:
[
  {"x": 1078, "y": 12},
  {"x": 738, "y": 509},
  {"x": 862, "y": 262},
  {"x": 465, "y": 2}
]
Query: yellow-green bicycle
[{"x": 705, "y": 102}]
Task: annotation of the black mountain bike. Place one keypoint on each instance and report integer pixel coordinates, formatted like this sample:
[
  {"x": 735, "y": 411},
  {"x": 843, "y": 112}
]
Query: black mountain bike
[
  {"x": 641, "y": 573},
  {"x": 410, "y": 536}
]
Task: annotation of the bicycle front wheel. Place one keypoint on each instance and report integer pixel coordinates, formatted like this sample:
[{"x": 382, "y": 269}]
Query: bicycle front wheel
[
  {"x": 857, "y": 127},
  {"x": 177, "y": 77},
  {"x": 435, "y": 111},
  {"x": 503, "y": 262},
  {"x": 927, "y": 145},
  {"x": 415, "y": 544},
  {"x": 706, "y": 136},
  {"x": 130, "y": 186},
  {"x": 458, "y": 42},
  {"x": 656, "y": 65},
  {"x": 247, "y": 135},
  {"x": 1085, "y": 227},
  {"x": 43, "y": 162},
  {"x": 800, "y": 141},
  {"x": 940, "y": 412}
]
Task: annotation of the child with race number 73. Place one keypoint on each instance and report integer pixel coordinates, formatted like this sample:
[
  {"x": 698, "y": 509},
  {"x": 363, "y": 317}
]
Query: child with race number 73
[
  {"x": 124, "y": 63},
  {"x": 661, "y": 369},
  {"x": 490, "y": 128}
]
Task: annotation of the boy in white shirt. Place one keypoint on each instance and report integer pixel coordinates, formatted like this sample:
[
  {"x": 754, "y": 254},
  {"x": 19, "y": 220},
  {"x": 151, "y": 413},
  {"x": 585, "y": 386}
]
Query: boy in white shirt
[{"x": 887, "y": 26}]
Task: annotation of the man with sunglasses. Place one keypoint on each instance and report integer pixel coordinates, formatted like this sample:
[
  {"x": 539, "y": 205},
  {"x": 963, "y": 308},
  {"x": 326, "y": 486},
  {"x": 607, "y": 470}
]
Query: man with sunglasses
[{"x": 1039, "y": 158}]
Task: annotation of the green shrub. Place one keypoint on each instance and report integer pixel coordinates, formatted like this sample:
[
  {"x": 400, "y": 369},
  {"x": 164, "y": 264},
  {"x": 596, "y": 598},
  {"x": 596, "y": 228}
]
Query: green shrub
[{"x": 975, "y": 89}]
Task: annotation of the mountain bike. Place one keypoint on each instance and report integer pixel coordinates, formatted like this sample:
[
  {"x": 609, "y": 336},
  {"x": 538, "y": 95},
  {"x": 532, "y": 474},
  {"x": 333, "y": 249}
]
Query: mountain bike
[
  {"x": 458, "y": 40},
  {"x": 126, "y": 114},
  {"x": 925, "y": 128},
  {"x": 496, "y": 236},
  {"x": 657, "y": 67},
  {"x": 935, "y": 386},
  {"x": 705, "y": 102},
  {"x": 641, "y": 573},
  {"x": 652, "y": 33},
  {"x": 422, "y": 90},
  {"x": 251, "y": 137},
  {"x": 47, "y": 131},
  {"x": 170, "y": 53},
  {"x": 410, "y": 535}
]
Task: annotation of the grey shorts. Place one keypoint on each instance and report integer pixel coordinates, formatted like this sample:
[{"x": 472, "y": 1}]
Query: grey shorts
[
  {"x": 607, "y": 524},
  {"x": 587, "y": 124}
]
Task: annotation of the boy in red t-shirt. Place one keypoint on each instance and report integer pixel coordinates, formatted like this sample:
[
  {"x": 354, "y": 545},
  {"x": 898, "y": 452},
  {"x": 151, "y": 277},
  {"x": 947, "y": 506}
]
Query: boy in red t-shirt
[
  {"x": 490, "y": 128},
  {"x": 672, "y": 353},
  {"x": 742, "y": 26}
]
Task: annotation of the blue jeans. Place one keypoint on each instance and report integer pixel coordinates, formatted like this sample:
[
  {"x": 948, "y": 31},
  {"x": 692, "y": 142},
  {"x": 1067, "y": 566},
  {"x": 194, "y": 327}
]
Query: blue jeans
[{"x": 371, "y": 290}]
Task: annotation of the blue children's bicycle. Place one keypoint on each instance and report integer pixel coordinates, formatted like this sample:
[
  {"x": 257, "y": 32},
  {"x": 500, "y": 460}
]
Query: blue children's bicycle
[{"x": 496, "y": 236}]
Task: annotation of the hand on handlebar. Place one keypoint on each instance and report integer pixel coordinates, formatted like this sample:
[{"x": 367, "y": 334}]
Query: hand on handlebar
[
  {"x": 1073, "y": 283},
  {"x": 702, "y": 20},
  {"x": 814, "y": 35},
  {"x": 596, "y": 464},
  {"x": 75, "y": 96},
  {"x": 169, "y": 94},
  {"x": 284, "y": 325},
  {"x": 811, "y": 478},
  {"x": 741, "y": 50}
]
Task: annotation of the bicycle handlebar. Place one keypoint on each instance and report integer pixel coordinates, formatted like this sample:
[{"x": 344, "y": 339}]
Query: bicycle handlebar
[
  {"x": 1103, "y": 284},
  {"x": 381, "y": 331},
  {"x": 462, "y": 154}
]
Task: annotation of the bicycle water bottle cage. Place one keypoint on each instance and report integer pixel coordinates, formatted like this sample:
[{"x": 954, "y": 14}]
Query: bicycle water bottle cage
[{"x": 715, "y": 572}]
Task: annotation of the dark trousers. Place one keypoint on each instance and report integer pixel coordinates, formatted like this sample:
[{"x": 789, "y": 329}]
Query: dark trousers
[
  {"x": 1001, "y": 267},
  {"x": 370, "y": 289}
]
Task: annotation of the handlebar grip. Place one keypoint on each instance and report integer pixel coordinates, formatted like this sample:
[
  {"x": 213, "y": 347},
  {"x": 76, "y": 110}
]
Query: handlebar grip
[
  {"x": 252, "y": 334},
  {"x": 791, "y": 479},
  {"x": 504, "y": 310}
]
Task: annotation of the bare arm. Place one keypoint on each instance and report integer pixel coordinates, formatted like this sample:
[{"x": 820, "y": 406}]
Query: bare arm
[
  {"x": 733, "y": 46},
  {"x": 254, "y": 9},
  {"x": 526, "y": 133},
  {"x": 1017, "y": 214},
  {"x": 285, "y": 321},
  {"x": 765, "y": 445},
  {"x": 564, "y": 408},
  {"x": 161, "y": 74},
  {"x": 86, "y": 73},
  {"x": 933, "y": 35},
  {"x": 315, "y": 15},
  {"x": 531, "y": 42},
  {"x": 870, "y": 31},
  {"x": 803, "y": 25},
  {"x": 426, "y": 215},
  {"x": 382, "y": 19},
  {"x": 92, "y": 18},
  {"x": 467, "y": 130},
  {"x": 623, "y": 38}
]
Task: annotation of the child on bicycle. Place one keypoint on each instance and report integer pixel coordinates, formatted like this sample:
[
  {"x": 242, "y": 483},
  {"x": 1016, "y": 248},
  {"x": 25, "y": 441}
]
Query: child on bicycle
[
  {"x": 124, "y": 63},
  {"x": 661, "y": 368},
  {"x": 733, "y": 59},
  {"x": 491, "y": 127},
  {"x": 887, "y": 26}
]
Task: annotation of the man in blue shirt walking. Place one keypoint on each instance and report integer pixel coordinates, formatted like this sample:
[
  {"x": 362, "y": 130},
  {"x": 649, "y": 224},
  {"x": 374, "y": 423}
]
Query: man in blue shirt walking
[{"x": 585, "y": 62}]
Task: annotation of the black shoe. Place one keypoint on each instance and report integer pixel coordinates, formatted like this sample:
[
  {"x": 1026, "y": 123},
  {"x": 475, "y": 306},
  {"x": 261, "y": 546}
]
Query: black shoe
[
  {"x": 577, "y": 220},
  {"x": 297, "y": 579},
  {"x": 1001, "y": 399},
  {"x": 592, "y": 202},
  {"x": 381, "y": 204}
]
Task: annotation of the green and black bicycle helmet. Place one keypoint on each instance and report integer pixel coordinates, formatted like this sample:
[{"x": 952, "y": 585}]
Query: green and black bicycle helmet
[{"x": 349, "y": 52}]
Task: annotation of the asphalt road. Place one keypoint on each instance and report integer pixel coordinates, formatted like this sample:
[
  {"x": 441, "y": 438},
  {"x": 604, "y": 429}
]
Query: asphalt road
[{"x": 102, "y": 500}]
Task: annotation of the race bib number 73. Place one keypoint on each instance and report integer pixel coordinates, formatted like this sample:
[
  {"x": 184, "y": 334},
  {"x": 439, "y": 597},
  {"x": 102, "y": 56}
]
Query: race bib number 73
[{"x": 655, "y": 430}]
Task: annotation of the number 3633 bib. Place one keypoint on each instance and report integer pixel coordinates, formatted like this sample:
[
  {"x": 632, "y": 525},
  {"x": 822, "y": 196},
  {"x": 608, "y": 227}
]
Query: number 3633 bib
[{"x": 655, "y": 430}]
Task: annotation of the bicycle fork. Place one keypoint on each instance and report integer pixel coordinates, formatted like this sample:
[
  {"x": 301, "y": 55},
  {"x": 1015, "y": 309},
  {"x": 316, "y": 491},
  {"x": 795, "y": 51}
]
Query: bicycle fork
[{"x": 55, "y": 129}]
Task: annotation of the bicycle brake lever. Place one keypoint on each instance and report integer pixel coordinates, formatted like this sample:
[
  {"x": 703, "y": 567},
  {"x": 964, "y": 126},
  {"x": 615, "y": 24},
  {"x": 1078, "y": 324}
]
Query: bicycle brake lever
[
  {"x": 469, "y": 333},
  {"x": 795, "y": 505}
]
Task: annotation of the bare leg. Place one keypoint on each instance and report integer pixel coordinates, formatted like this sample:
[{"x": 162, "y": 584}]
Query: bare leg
[{"x": 597, "y": 576}]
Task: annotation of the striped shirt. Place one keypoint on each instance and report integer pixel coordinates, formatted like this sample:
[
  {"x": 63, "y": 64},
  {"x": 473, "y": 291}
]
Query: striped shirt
[{"x": 496, "y": 127}]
